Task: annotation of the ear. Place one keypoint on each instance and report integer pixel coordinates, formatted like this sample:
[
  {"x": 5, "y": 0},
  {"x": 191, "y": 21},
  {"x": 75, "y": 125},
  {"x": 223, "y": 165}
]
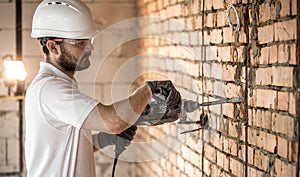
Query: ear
[{"x": 52, "y": 47}]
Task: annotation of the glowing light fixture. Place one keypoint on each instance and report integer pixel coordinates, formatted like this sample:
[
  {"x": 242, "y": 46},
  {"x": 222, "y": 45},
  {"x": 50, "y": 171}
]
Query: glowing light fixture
[
  {"x": 15, "y": 70},
  {"x": 15, "y": 75}
]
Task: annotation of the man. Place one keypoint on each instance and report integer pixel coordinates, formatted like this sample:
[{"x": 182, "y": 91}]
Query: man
[{"x": 59, "y": 118}]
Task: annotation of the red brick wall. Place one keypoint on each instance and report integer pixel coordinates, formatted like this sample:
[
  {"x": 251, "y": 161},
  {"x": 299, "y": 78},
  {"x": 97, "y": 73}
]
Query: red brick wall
[{"x": 257, "y": 137}]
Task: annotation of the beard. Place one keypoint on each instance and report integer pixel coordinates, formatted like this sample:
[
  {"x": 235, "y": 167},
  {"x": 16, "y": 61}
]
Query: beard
[{"x": 71, "y": 63}]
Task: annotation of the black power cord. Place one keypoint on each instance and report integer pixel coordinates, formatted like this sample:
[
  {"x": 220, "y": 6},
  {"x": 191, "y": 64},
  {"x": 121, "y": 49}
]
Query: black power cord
[{"x": 118, "y": 151}]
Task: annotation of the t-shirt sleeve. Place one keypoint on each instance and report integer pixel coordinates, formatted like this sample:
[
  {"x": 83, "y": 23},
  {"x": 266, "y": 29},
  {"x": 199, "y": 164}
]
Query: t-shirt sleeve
[{"x": 62, "y": 102}]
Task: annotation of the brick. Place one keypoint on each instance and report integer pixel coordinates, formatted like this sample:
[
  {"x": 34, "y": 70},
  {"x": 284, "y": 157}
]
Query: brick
[
  {"x": 282, "y": 76},
  {"x": 151, "y": 7},
  {"x": 251, "y": 155},
  {"x": 285, "y": 8},
  {"x": 273, "y": 11},
  {"x": 195, "y": 159},
  {"x": 233, "y": 147},
  {"x": 263, "y": 76},
  {"x": 242, "y": 152},
  {"x": 283, "y": 124},
  {"x": 278, "y": 171},
  {"x": 221, "y": 17},
  {"x": 194, "y": 37},
  {"x": 184, "y": 38},
  {"x": 293, "y": 103},
  {"x": 197, "y": 22},
  {"x": 270, "y": 143},
  {"x": 293, "y": 149},
  {"x": 216, "y": 36},
  {"x": 209, "y": 20},
  {"x": 258, "y": 118},
  {"x": 208, "y": 5},
  {"x": 207, "y": 167},
  {"x": 216, "y": 171},
  {"x": 218, "y": 4},
  {"x": 266, "y": 34},
  {"x": 215, "y": 70},
  {"x": 269, "y": 98},
  {"x": 242, "y": 36},
  {"x": 282, "y": 147},
  {"x": 286, "y": 30},
  {"x": 260, "y": 160},
  {"x": 295, "y": 4},
  {"x": 283, "y": 53},
  {"x": 216, "y": 140},
  {"x": 266, "y": 120},
  {"x": 254, "y": 172},
  {"x": 157, "y": 169},
  {"x": 293, "y": 58},
  {"x": 225, "y": 162},
  {"x": 287, "y": 169},
  {"x": 220, "y": 157},
  {"x": 273, "y": 54},
  {"x": 291, "y": 170},
  {"x": 241, "y": 55},
  {"x": 227, "y": 35},
  {"x": 189, "y": 169},
  {"x": 211, "y": 53},
  {"x": 174, "y": 11},
  {"x": 252, "y": 136},
  {"x": 228, "y": 110},
  {"x": 233, "y": 132},
  {"x": 264, "y": 12},
  {"x": 233, "y": 90},
  {"x": 261, "y": 138},
  {"x": 180, "y": 163},
  {"x": 224, "y": 53},
  {"x": 236, "y": 167},
  {"x": 251, "y": 120},
  {"x": 219, "y": 88},
  {"x": 264, "y": 55},
  {"x": 185, "y": 153},
  {"x": 229, "y": 71},
  {"x": 283, "y": 101},
  {"x": 210, "y": 153}
]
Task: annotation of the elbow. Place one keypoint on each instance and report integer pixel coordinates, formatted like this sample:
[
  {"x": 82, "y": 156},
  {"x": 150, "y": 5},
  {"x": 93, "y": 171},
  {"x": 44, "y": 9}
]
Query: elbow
[{"x": 118, "y": 127}]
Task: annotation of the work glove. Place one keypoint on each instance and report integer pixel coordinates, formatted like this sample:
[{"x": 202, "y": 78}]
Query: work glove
[
  {"x": 165, "y": 89},
  {"x": 165, "y": 105},
  {"x": 123, "y": 139}
]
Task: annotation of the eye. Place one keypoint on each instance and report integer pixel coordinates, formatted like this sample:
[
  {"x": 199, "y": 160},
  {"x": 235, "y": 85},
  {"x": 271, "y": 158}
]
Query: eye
[{"x": 80, "y": 43}]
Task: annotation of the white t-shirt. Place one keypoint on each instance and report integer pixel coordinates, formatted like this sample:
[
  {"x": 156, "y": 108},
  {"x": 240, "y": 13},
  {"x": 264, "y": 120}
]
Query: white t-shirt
[{"x": 55, "y": 144}]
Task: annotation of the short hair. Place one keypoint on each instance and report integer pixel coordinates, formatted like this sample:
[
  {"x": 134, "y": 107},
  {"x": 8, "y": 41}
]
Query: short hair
[{"x": 43, "y": 41}]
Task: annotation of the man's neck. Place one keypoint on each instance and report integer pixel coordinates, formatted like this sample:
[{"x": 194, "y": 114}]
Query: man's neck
[{"x": 68, "y": 73}]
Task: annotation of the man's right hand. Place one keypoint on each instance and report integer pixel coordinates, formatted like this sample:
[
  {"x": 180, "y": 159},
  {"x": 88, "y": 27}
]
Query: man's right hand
[
  {"x": 166, "y": 89},
  {"x": 165, "y": 107}
]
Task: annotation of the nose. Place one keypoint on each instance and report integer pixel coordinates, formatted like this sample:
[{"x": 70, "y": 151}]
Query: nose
[{"x": 89, "y": 46}]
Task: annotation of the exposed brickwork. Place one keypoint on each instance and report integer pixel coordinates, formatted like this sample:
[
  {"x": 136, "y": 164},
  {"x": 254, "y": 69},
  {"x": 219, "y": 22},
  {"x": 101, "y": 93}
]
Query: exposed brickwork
[
  {"x": 207, "y": 61},
  {"x": 260, "y": 62},
  {"x": 32, "y": 55}
]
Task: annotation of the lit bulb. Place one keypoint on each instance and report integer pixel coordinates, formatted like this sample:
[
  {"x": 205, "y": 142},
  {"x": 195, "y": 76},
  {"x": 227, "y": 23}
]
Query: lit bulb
[{"x": 15, "y": 70}]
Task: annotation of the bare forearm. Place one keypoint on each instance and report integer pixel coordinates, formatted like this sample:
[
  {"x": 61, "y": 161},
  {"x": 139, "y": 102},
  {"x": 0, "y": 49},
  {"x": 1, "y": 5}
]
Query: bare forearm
[
  {"x": 119, "y": 116},
  {"x": 126, "y": 112}
]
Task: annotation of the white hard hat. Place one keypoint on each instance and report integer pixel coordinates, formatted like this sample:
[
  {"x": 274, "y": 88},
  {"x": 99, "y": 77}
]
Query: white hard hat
[{"x": 64, "y": 19}]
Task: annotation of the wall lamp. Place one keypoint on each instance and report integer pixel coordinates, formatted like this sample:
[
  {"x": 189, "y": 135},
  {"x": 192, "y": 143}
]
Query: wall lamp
[{"x": 15, "y": 74}]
